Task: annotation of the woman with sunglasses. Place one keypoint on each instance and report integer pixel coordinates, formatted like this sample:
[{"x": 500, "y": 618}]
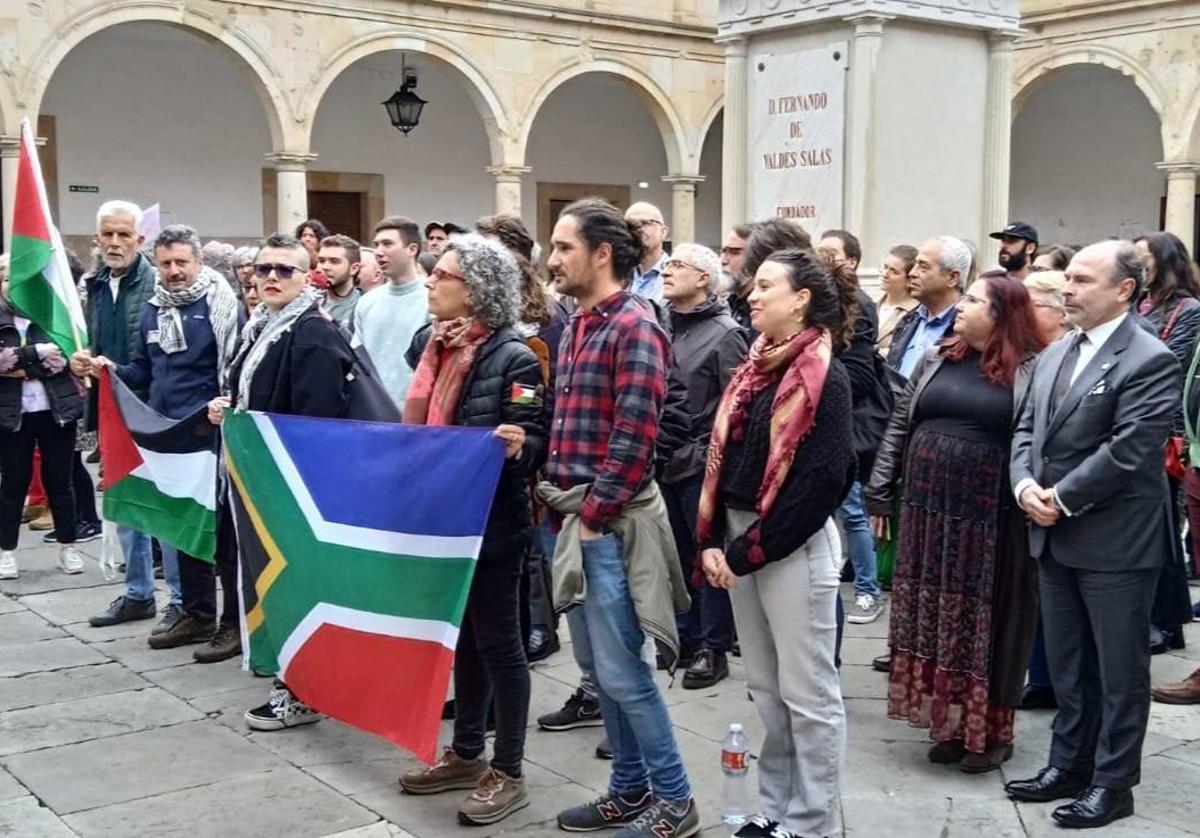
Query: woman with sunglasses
[
  {"x": 473, "y": 368},
  {"x": 292, "y": 359}
]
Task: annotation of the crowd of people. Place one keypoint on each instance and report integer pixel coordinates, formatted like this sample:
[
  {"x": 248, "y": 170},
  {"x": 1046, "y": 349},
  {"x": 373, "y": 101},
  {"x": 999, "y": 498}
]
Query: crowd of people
[{"x": 700, "y": 445}]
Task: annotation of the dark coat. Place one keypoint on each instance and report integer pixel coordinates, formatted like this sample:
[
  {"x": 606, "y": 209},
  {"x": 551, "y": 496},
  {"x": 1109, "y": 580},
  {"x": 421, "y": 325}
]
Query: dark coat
[
  {"x": 306, "y": 373},
  {"x": 113, "y": 326},
  {"x": 707, "y": 344},
  {"x": 502, "y": 362},
  {"x": 62, "y": 388}
]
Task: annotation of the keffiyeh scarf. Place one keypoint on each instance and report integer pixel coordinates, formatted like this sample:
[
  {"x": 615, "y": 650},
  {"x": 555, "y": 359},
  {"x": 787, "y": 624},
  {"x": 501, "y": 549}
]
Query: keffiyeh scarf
[{"x": 222, "y": 316}]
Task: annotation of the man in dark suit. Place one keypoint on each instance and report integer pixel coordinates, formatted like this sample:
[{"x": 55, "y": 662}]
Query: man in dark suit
[{"x": 1087, "y": 468}]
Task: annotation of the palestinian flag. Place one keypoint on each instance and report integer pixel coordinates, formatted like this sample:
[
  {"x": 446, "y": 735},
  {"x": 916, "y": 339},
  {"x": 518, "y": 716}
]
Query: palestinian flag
[
  {"x": 40, "y": 282},
  {"x": 160, "y": 475},
  {"x": 358, "y": 543}
]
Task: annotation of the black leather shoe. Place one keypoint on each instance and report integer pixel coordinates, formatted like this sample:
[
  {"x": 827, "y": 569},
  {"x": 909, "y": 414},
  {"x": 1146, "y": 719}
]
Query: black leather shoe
[
  {"x": 1097, "y": 806},
  {"x": 542, "y": 644},
  {"x": 122, "y": 610},
  {"x": 604, "y": 750},
  {"x": 1038, "y": 697},
  {"x": 1050, "y": 784},
  {"x": 883, "y": 663},
  {"x": 1163, "y": 640},
  {"x": 708, "y": 668}
]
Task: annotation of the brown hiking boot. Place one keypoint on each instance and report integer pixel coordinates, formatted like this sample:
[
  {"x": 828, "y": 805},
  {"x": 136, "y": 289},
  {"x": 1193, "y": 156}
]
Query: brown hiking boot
[
  {"x": 449, "y": 772},
  {"x": 188, "y": 630},
  {"x": 496, "y": 797},
  {"x": 1186, "y": 691},
  {"x": 33, "y": 511},
  {"x": 45, "y": 521},
  {"x": 225, "y": 644}
]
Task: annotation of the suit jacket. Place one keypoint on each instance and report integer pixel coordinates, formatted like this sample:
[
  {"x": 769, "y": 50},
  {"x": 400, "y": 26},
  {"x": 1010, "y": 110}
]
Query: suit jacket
[{"x": 1102, "y": 451}]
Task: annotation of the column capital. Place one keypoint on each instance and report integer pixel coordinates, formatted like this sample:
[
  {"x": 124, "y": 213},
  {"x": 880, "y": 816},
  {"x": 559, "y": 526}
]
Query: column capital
[
  {"x": 508, "y": 173},
  {"x": 10, "y": 144},
  {"x": 291, "y": 161},
  {"x": 683, "y": 181},
  {"x": 1003, "y": 39},
  {"x": 1179, "y": 168},
  {"x": 868, "y": 23},
  {"x": 735, "y": 45}
]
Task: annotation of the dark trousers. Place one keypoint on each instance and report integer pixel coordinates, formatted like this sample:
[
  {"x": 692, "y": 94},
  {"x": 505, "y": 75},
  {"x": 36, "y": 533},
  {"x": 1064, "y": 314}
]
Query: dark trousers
[
  {"x": 85, "y": 493},
  {"x": 1172, "y": 599},
  {"x": 709, "y": 622},
  {"x": 1096, "y": 624},
  {"x": 197, "y": 583},
  {"x": 57, "y": 443},
  {"x": 539, "y": 578},
  {"x": 227, "y": 565},
  {"x": 1039, "y": 667},
  {"x": 490, "y": 658}
]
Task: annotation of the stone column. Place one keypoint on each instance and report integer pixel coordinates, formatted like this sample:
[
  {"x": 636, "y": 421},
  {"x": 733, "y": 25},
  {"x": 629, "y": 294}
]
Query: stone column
[
  {"x": 508, "y": 187},
  {"x": 997, "y": 138},
  {"x": 291, "y": 188},
  {"x": 10, "y": 152},
  {"x": 733, "y": 136},
  {"x": 1181, "y": 200},
  {"x": 860, "y": 110},
  {"x": 683, "y": 206}
]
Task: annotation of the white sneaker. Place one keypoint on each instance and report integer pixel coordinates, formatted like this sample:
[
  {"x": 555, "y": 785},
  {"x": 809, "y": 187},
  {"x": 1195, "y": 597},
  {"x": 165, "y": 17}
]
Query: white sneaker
[
  {"x": 8, "y": 565},
  {"x": 68, "y": 559}
]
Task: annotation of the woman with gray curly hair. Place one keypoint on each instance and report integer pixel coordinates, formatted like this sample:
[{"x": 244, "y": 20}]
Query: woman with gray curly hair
[{"x": 473, "y": 368}]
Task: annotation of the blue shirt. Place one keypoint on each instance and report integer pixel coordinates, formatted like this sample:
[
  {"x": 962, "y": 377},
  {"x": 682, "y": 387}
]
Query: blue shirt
[
  {"x": 649, "y": 284},
  {"x": 929, "y": 331},
  {"x": 181, "y": 382}
]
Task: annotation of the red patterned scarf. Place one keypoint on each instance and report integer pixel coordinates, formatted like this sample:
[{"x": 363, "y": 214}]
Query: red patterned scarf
[
  {"x": 801, "y": 363},
  {"x": 445, "y": 363}
]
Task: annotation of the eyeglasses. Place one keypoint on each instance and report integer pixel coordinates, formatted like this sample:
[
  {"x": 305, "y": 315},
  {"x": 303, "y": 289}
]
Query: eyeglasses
[
  {"x": 263, "y": 270},
  {"x": 438, "y": 275},
  {"x": 676, "y": 264}
]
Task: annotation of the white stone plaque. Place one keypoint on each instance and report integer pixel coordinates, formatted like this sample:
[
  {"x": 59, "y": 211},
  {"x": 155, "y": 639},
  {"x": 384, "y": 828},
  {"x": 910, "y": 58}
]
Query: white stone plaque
[{"x": 797, "y": 133}]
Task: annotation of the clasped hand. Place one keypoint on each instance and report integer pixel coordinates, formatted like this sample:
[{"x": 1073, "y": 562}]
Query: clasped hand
[
  {"x": 716, "y": 569},
  {"x": 1040, "y": 505}
]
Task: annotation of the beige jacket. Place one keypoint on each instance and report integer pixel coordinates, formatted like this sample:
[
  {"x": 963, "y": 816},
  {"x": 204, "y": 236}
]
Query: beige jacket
[{"x": 656, "y": 580}]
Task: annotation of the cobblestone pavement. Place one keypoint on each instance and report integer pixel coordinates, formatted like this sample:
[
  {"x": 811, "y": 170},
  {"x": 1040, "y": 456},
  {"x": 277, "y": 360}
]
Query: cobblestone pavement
[{"x": 103, "y": 737}]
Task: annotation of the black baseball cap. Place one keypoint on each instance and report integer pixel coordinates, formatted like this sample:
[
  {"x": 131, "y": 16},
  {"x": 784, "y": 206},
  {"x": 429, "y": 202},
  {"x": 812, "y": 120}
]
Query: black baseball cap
[
  {"x": 1018, "y": 230},
  {"x": 449, "y": 227}
]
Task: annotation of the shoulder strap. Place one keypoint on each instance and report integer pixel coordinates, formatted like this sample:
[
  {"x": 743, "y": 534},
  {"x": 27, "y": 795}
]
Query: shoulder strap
[
  {"x": 1188, "y": 429},
  {"x": 1170, "y": 324}
]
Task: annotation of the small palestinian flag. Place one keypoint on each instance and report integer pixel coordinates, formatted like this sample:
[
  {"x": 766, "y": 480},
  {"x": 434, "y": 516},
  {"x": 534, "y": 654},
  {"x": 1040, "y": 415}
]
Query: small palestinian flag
[
  {"x": 355, "y": 601},
  {"x": 524, "y": 394},
  {"x": 160, "y": 475}
]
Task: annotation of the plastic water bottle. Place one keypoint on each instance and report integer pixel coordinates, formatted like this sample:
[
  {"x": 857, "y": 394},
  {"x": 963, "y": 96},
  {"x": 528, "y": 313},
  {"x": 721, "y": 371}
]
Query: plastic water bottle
[{"x": 735, "y": 784}]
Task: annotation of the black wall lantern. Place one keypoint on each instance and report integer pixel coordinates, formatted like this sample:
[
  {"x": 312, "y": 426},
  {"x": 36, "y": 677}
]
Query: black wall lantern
[{"x": 404, "y": 108}]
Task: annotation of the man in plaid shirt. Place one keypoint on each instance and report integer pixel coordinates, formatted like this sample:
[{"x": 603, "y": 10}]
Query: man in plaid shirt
[{"x": 612, "y": 369}]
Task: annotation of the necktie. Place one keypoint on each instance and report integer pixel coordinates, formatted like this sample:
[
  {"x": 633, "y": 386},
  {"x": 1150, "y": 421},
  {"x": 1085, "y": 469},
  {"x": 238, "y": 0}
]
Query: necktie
[{"x": 1063, "y": 381}]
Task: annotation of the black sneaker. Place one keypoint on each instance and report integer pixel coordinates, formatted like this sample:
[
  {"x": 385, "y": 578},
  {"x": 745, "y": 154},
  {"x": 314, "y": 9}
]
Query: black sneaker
[
  {"x": 123, "y": 610},
  {"x": 542, "y": 644},
  {"x": 604, "y": 750},
  {"x": 665, "y": 820},
  {"x": 605, "y": 812},
  {"x": 84, "y": 531},
  {"x": 759, "y": 826},
  {"x": 580, "y": 711},
  {"x": 282, "y": 710}
]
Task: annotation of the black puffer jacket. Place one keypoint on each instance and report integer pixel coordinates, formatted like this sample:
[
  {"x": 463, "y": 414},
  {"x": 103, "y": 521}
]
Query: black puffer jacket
[
  {"x": 62, "y": 391},
  {"x": 487, "y": 401}
]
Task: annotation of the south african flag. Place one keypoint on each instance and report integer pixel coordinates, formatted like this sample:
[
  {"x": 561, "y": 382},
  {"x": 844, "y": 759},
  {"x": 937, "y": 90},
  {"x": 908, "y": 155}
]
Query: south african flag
[{"x": 358, "y": 543}]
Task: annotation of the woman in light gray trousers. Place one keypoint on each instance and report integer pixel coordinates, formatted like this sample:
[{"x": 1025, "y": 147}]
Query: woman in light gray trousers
[{"x": 780, "y": 463}]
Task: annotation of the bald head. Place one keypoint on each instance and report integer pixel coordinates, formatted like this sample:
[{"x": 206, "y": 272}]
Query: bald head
[
  {"x": 1102, "y": 280},
  {"x": 648, "y": 219}
]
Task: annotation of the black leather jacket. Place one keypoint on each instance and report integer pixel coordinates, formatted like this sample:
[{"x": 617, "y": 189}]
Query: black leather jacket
[
  {"x": 880, "y": 491},
  {"x": 62, "y": 390}
]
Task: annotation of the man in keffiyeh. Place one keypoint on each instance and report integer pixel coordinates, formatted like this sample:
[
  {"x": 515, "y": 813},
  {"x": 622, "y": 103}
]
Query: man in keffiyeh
[{"x": 186, "y": 338}]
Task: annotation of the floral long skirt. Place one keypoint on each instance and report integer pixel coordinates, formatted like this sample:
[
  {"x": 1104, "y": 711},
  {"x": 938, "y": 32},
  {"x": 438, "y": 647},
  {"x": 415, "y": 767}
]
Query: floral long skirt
[{"x": 942, "y": 590}]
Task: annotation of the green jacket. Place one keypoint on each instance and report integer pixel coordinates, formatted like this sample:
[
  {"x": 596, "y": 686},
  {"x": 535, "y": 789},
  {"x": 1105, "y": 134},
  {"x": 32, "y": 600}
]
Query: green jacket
[{"x": 656, "y": 581}]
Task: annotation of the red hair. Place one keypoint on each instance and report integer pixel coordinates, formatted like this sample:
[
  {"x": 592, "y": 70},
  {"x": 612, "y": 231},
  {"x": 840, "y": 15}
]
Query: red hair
[{"x": 1015, "y": 335}]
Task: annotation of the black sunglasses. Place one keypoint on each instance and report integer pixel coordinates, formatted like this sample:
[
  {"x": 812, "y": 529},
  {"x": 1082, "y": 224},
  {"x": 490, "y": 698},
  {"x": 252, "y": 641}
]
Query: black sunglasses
[{"x": 262, "y": 271}]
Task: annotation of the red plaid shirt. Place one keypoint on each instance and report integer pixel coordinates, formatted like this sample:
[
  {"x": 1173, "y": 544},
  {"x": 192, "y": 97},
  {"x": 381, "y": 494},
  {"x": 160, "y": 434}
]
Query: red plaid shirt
[{"x": 609, "y": 391}]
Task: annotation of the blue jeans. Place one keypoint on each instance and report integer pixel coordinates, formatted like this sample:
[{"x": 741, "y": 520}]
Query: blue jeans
[
  {"x": 139, "y": 567},
  {"x": 608, "y": 646},
  {"x": 860, "y": 542}
]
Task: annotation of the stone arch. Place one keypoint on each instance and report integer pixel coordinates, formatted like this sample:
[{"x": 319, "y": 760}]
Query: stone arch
[
  {"x": 1029, "y": 76},
  {"x": 480, "y": 90},
  {"x": 256, "y": 64},
  {"x": 706, "y": 124},
  {"x": 675, "y": 139},
  {"x": 1189, "y": 129}
]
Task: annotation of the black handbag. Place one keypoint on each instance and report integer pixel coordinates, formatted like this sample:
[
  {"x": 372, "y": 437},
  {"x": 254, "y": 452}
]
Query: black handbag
[
  {"x": 872, "y": 413},
  {"x": 369, "y": 399}
]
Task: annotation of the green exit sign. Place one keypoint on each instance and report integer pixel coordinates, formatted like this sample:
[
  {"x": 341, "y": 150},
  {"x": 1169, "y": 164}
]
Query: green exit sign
[{"x": 83, "y": 187}]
